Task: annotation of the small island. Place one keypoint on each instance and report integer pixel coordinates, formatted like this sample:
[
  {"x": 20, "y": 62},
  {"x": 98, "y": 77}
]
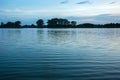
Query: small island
[{"x": 58, "y": 23}]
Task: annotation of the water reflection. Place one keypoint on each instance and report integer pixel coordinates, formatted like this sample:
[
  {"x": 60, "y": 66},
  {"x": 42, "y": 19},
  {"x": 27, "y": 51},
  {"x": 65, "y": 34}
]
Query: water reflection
[
  {"x": 10, "y": 35},
  {"x": 42, "y": 35},
  {"x": 58, "y": 36},
  {"x": 59, "y": 54},
  {"x": 106, "y": 39}
]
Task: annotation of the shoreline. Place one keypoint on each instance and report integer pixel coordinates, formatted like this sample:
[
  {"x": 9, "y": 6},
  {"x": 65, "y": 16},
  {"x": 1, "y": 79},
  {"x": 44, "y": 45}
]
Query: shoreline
[{"x": 64, "y": 28}]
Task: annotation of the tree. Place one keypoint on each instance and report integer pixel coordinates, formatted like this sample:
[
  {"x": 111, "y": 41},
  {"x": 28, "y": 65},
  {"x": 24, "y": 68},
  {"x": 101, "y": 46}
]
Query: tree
[
  {"x": 73, "y": 23},
  {"x": 9, "y": 25},
  {"x": 58, "y": 22},
  {"x": 17, "y": 24},
  {"x": 32, "y": 26},
  {"x": 53, "y": 22},
  {"x": 40, "y": 23},
  {"x": 2, "y": 24}
]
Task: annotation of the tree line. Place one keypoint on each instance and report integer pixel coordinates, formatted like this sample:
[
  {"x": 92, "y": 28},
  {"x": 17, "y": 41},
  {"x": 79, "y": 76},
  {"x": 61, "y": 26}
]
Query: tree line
[{"x": 58, "y": 23}]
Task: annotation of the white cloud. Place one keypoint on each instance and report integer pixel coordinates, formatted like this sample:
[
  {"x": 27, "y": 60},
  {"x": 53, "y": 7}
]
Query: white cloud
[{"x": 65, "y": 10}]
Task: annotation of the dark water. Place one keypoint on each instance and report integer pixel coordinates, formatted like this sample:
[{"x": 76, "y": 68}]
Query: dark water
[{"x": 59, "y": 54}]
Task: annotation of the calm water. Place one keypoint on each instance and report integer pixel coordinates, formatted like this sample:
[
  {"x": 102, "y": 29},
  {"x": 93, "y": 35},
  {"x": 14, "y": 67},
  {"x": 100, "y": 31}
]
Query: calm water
[{"x": 59, "y": 54}]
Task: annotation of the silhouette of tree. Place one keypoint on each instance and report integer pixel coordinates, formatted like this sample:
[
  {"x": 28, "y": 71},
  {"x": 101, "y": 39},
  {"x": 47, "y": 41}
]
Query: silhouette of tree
[
  {"x": 2, "y": 24},
  {"x": 17, "y": 24},
  {"x": 112, "y": 25},
  {"x": 87, "y": 25},
  {"x": 53, "y": 22},
  {"x": 66, "y": 22},
  {"x": 10, "y": 24},
  {"x": 73, "y": 23},
  {"x": 58, "y": 22},
  {"x": 40, "y": 23},
  {"x": 32, "y": 26}
]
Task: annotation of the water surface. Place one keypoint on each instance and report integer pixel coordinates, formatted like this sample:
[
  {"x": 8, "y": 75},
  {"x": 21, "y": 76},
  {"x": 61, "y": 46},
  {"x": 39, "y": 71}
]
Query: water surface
[{"x": 59, "y": 54}]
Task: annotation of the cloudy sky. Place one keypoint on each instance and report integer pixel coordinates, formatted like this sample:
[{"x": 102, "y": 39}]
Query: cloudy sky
[{"x": 83, "y": 11}]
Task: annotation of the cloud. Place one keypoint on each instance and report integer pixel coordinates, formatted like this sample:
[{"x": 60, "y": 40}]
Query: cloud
[
  {"x": 83, "y": 2},
  {"x": 98, "y": 19},
  {"x": 64, "y": 2},
  {"x": 112, "y": 2},
  {"x": 25, "y": 12}
]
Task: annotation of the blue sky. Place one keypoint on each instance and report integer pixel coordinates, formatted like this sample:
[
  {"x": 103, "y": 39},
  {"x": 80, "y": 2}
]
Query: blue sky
[{"x": 83, "y": 11}]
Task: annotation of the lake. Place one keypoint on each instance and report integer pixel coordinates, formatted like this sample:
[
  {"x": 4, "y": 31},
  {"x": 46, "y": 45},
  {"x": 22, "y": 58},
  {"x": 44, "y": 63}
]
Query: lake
[{"x": 59, "y": 54}]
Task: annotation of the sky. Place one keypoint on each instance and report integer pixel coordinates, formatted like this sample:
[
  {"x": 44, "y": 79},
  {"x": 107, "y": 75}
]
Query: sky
[{"x": 82, "y": 11}]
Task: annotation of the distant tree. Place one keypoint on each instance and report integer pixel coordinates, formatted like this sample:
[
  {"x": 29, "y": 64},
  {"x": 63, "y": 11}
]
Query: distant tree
[
  {"x": 88, "y": 25},
  {"x": 73, "y": 23},
  {"x": 33, "y": 26},
  {"x": 26, "y": 26},
  {"x": 17, "y": 24},
  {"x": 40, "y": 23},
  {"x": 66, "y": 22},
  {"x": 2, "y": 24},
  {"x": 58, "y": 22},
  {"x": 53, "y": 22},
  {"x": 112, "y": 25},
  {"x": 10, "y": 25}
]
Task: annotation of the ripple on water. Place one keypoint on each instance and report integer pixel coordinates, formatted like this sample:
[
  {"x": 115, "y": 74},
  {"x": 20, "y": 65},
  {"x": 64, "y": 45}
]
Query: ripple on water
[{"x": 64, "y": 54}]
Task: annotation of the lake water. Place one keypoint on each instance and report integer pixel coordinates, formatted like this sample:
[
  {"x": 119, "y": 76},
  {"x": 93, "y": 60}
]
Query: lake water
[{"x": 59, "y": 54}]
